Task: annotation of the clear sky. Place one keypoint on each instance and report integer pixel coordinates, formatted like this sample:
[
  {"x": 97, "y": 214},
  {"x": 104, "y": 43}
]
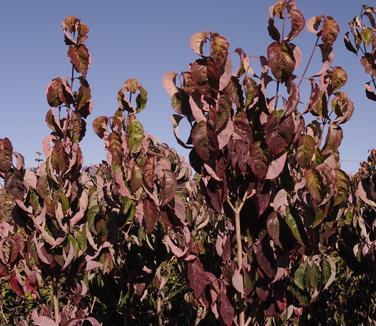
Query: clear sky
[{"x": 144, "y": 39}]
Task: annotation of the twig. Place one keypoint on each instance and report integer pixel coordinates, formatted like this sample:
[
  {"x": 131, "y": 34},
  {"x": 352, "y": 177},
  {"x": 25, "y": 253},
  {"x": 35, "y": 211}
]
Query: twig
[{"x": 309, "y": 61}]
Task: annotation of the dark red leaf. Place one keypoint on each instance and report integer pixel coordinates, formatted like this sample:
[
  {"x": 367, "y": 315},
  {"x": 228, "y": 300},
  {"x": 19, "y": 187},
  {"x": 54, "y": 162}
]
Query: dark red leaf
[
  {"x": 150, "y": 214},
  {"x": 168, "y": 187}
]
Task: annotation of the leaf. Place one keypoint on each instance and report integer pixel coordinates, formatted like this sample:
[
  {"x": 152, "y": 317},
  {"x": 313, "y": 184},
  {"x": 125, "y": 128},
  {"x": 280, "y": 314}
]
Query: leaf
[
  {"x": 305, "y": 150},
  {"x": 6, "y": 153},
  {"x": 338, "y": 78},
  {"x": 313, "y": 24},
  {"x": 136, "y": 178},
  {"x": 315, "y": 184},
  {"x": 204, "y": 140},
  {"x": 219, "y": 48},
  {"x": 150, "y": 214},
  {"x": 175, "y": 119},
  {"x": 272, "y": 225},
  {"x": 367, "y": 36},
  {"x": 368, "y": 63},
  {"x": 135, "y": 134},
  {"x": 148, "y": 172},
  {"x": 197, "y": 277},
  {"x": 343, "y": 107},
  {"x": 293, "y": 226},
  {"x": 237, "y": 281},
  {"x": 59, "y": 92},
  {"x": 348, "y": 44},
  {"x": 226, "y": 309},
  {"x": 84, "y": 104},
  {"x": 293, "y": 100},
  {"x": 258, "y": 160},
  {"x": 43, "y": 321},
  {"x": 343, "y": 186},
  {"x": 225, "y": 135},
  {"x": 279, "y": 132},
  {"x": 276, "y": 167},
  {"x": 80, "y": 58},
  {"x": 115, "y": 148},
  {"x": 299, "y": 276},
  {"x": 333, "y": 139},
  {"x": 330, "y": 31},
  {"x": 169, "y": 83},
  {"x": 281, "y": 60},
  {"x": 168, "y": 187},
  {"x": 370, "y": 91},
  {"x": 197, "y": 41},
  {"x": 141, "y": 99},
  {"x": 328, "y": 274},
  {"x": 297, "y": 23},
  {"x": 100, "y": 125}
]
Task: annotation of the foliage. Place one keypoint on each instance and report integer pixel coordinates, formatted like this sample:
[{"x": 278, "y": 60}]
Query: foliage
[{"x": 268, "y": 230}]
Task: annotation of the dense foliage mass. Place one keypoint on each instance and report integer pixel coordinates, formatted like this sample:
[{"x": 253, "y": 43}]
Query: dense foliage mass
[{"x": 269, "y": 229}]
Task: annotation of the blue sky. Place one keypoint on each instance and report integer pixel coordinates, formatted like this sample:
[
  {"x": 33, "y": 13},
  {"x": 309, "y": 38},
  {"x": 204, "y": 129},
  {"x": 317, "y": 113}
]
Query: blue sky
[{"x": 144, "y": 39}]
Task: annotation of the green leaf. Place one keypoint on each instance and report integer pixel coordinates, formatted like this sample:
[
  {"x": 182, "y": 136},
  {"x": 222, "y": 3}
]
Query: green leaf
[
  {"x": 135, "y": 134},
  {"x": 315, "y": 184},
  {"x": 343, "y": 186},
  {"x": 299, "y": 276},
  {"x": 292, "y": 224},
  {"x": 81, "y": 240},
  {"x": 141, "y": 99},
  {"x": 305, "y": 150},
  {"x": 367, "y": 36}
]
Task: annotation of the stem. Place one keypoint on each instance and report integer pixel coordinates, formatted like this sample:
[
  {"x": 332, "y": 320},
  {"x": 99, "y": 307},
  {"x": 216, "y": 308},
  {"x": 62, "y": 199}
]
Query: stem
[
  {"x": 239, "y": 251},
  {"x": 309, "y": 61},
  {"x": 56, "y": 304},
  {"x": 276, "y": 96}
]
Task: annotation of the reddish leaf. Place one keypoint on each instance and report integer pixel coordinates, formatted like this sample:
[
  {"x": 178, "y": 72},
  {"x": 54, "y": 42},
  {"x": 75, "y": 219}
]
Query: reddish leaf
[
  {"x": 258, "y": 161},
  {"x": 80, "y": 58},
  {"x": 59, "y": 92},
  {"x": 204, "y": 140},
  {"x": 343, "y": 107},
  {"x": 6, "y": 153},
  {"x": 313, "y": 24},
  {"x": 100, "y": 125},
  {"x": 226, "y": 309},
  {"x": 333, "y": 139},
  {"x": 197, "y": 277},
  {"x": 279, "y": 132},
  {"x": 168, "y": 187},
  {"x": 281, "y": 60},
  {"x": 293, "y": 99},
  {"x": 148, "y": 172},
  {"x": 150, "y": 214},
  {"x": 297, "y": 23},
  {"x": 115, "y": 148}
]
